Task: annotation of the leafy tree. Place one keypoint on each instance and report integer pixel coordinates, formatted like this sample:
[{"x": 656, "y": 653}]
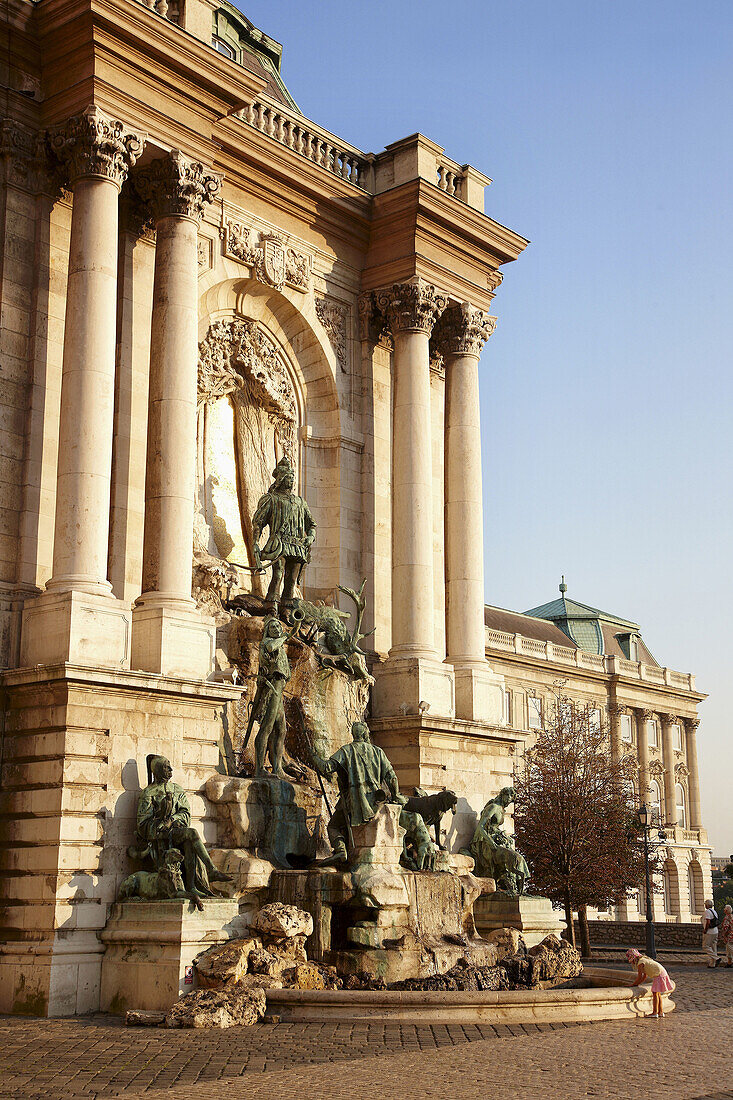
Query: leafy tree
[{"x": 574, "y": 816}]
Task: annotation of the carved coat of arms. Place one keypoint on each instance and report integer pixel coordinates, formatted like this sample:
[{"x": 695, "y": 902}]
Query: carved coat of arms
[{"x": 272, "y": 261}]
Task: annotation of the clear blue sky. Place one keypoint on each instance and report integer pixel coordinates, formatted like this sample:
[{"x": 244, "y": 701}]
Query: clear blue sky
[{"x": 606, "y": 389}]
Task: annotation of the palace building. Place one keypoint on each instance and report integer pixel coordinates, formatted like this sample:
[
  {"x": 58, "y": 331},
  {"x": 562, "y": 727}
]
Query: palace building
[{"x": 197, "y": 280}]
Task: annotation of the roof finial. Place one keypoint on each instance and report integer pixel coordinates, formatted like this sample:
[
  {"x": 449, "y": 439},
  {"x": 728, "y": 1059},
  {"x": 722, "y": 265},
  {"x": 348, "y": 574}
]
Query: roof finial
[{"x": 563, "y": 586}]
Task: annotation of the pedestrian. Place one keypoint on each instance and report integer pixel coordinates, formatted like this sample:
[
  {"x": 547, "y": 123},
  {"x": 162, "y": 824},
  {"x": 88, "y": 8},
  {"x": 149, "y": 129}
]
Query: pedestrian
[
  {"x": 726, "y": 931},
  {"x": 710, "y": 930},
  {"x": 649, "y": 969}
]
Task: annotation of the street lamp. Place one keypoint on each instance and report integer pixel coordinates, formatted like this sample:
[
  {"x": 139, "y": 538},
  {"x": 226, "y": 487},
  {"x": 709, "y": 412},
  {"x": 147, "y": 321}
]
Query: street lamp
[{"x": 645, "y": 821}]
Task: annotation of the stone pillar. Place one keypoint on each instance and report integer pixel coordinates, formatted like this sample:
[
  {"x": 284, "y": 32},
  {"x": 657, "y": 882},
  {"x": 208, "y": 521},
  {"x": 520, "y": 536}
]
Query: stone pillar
[
  {"x": 691, "y": 725},
  {"x": 77, "y": 619},
  {"x": 615, "y": 712},
  {"x": 463, "y": 332},
  {"x": 670, "y": 802},
  {"x": 642, "y": 748},
  {"x": 169, "y": 634},
  {"x": 414, "y": 672}
]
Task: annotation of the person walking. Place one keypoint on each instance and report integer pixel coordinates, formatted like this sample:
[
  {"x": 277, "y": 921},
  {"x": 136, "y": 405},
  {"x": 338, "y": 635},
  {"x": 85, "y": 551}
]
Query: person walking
[
  {"x": 726, "y": 932},
  {"x": 650, "y": 970},
  {"x": 710, "y": 931}
]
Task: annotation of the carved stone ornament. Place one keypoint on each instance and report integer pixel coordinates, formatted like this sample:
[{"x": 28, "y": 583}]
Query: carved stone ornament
[
  {"x": 237, "y": 353},
  {"x": 25, "y": 156},
  {"x": 494, "y": 279},
  {"x": 91, "y": 144},
  {"x": 372, "y": 323},
  {"x": 175, "y": 185},
  {"x": 333, "y": 318},
  {"x": 411, "y": 307},
  {"x": 615, "y": 710},
  {"x": 656, "y": 768},
  {"x": 273, "y": 262},
  {"x": 681, "y": 771},
  {"x": 668, "y": 719},
  {"x": 692, "y": 723},
  {"x": 464, "y": 330}
]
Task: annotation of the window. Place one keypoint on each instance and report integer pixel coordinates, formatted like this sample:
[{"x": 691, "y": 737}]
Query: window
[
  {"x": 652, "y": 733},
  {"x": 224, "y": 48},
  {"x": 679, "y": 800},
  {"x": 534, "y": 713},
  {"x": 594, "y": 720},
  {"x": 626, "y": 735},
  {"x": 633, "y": 648},
  {"x": 677, "y": 737},
  {"x": 507, "y": 708},
  {"x": 655, "y": 802}
]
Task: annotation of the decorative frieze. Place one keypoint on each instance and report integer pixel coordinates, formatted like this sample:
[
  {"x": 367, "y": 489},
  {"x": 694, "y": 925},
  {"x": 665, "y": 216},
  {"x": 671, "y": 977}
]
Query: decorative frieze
[
  {"x": 464, "y": 330},
  {"x": 25, "y": 157},
  {"x": 91, "y": 144},
  {"x": 411, "y": 307},
  {"x": 333, "y": 317},
  {"x": 174, "y": 185},
  {"x": 273, "y": 262}
]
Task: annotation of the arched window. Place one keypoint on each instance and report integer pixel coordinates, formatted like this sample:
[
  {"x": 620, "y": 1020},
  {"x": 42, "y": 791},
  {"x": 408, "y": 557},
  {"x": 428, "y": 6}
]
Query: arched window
[
  {"x": 655, "y": 802},
  {"x": 671, "y": 888},
  {"x": 680, "y": 803},
  {"x": 224, "y": 47},
  {"x": 696, "y": 887}
]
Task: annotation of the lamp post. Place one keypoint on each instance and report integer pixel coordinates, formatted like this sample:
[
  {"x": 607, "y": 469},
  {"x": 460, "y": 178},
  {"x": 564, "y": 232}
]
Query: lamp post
[{"x": 645, "y": 821}]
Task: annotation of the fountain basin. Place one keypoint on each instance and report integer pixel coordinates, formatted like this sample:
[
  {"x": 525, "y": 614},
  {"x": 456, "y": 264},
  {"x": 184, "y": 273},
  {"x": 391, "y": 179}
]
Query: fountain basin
[{"x": 607, "y": 996}]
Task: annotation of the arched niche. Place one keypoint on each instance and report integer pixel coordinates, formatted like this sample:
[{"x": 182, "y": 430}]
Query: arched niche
[{"x": 266, "y": 388}]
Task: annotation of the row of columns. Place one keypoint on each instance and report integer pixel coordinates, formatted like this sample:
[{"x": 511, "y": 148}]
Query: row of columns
[
  {"x": 168, "y": 635},
  {"x": 668, "y": 721},
  {"x": 411, "y": 311}
]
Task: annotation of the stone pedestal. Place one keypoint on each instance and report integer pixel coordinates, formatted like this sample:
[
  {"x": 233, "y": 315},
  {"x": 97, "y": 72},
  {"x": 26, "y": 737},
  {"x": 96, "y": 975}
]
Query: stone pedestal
[
  {"x": 533, "y": 917},
  {"x": 172, "y": 640},
  {"x": 479, "y": 694},
  {"x": 75, "y": 627},
  {"x": 150, "y": 945},
  {"x": 404, "y": 684}
]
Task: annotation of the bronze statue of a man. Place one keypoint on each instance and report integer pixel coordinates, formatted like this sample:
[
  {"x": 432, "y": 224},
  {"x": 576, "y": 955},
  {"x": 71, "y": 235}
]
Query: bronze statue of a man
[
  {"x": 268, "y": 709},
  {"x": 164, "y": 822},
  {"x": 291, "y": 532},
  {"x": 365, "y": 780}
]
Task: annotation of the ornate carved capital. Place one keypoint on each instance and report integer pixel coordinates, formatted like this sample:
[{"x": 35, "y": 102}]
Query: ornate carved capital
[
  {"x": 175, "y": 185},
  {"x": 464, "y": 330},
  {"x": 644, "y": 715},
  {"x": 668, "y": 719},
  {"x": 692, "y": 723},
  {"x": 90, "y": 144},
  {"x": 615, "y": 710},
  {"x": 411, "y": 307}
]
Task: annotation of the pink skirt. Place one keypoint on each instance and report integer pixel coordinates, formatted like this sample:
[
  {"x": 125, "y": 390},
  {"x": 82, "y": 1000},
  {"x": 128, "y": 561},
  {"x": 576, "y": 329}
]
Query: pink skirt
[{"x": 662, "y": 983}]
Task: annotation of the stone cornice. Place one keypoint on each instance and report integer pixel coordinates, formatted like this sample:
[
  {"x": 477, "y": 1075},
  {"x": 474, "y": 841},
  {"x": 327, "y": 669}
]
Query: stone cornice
[
  {"x": 463, "y": 330},
  {"x": 92, "y": 144},
  {"x": 175, "y": 185},
  {"x": 410, "y": 307}
]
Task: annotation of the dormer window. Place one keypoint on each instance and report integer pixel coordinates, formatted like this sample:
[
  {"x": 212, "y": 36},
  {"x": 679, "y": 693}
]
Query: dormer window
[
  {"x": 224, "y": 47},
  {"x": 633, "y": 648}
]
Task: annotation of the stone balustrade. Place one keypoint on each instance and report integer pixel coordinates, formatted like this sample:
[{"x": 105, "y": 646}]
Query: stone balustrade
[
  {"x": 308, "y": 140},
  {"x": 550, "y": 651}
]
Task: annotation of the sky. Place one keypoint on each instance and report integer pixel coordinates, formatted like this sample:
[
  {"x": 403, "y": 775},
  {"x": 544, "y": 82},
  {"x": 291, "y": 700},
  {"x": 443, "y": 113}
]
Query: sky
[{"x": 606, "y": 389}]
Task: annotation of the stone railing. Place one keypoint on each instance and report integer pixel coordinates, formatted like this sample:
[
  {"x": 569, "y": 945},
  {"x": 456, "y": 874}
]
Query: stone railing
[
  {"x": 308, "y": 140},
  {"x": 450, "y": 177},
  {"x": 564, "y": 655}
]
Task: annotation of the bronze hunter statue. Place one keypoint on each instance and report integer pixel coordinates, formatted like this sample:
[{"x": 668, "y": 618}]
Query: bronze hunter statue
[
  {"x": 163, "y": 825},
  {"x": 493, "y": 849},
  {"x": 291, "y": 532},
  {"x": 268, "y": 709}
]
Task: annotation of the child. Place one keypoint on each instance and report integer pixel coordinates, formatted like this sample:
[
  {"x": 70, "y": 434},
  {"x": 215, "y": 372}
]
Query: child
[{"x": 661, "y": 983}]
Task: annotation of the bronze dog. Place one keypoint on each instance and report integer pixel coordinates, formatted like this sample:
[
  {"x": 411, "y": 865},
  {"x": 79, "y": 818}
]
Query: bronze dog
[{"x": 431, "y": 808}]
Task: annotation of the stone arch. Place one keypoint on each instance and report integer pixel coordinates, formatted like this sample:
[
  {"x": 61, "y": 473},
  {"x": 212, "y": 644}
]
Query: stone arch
[
  {"x": 695, "y": 887},
  {"x": 287, "y": 320},
  {"x": 671, "y": 877}
]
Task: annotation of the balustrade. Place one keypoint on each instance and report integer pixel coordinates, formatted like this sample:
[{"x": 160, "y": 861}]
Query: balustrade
[{"x": 308, "y": 141}]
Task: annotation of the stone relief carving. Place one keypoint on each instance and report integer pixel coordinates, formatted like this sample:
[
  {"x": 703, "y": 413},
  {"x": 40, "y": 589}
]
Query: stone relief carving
[
  {"x": 333, "y": 317},
  {"x": 681, "y": 772},
  {"x": 274, "y": 262},
  {"x": 90, "y": 144},
  {"x": 25, "y": 156},
  {"x": 241, "y": 438}
]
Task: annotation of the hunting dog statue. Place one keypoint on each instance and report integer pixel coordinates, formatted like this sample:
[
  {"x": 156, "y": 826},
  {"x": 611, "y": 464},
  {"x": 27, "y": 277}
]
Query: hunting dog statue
[{"x": 431, "y": 808}]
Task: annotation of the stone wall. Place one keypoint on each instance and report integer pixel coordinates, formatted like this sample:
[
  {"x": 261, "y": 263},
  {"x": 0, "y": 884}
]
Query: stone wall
[{"x": 633, "y": 934}]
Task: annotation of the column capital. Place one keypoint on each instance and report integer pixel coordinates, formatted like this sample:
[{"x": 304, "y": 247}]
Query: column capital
[
  {"x": 692, "y": 723},
  {"x": 668, "y": 719},
  {"x": 411, "y": 307},
  {"x": 464, "y": 330},
  {"x": 615, "y": 710},
  {"x": 175, "y": 185},
  {"x": 91, "y": 144},
  {"x": 643, "y": 713}
]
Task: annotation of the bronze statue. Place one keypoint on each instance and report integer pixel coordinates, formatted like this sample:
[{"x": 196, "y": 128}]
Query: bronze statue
[
  {"x": 291, "y": 531},
  {"x": 493, "y": 850},
  {"x": 431, "y": 808},
  {"x": 267, "y": 706},
  {"x": 164, "y": 822},
  {"x": 418, "y": 850},
  {"x": 365, "y": 780}
]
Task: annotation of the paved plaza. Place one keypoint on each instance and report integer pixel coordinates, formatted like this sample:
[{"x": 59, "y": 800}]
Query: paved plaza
[{"x": 688, "y": 1055}]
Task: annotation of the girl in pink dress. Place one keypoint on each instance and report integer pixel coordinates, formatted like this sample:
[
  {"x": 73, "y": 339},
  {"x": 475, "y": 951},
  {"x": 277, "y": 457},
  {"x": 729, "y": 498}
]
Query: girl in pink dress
[{"x": 647, "y": 969}]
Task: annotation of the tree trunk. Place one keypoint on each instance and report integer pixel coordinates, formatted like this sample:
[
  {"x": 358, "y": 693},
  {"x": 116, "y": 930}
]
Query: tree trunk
[
  {"x": 570, "y": 929},
  {"x": 584, "y": 931}
]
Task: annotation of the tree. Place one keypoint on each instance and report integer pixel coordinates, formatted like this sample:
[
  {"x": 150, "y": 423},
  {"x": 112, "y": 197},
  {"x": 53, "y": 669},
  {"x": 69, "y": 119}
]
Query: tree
[{"x": 574, "y": 816}]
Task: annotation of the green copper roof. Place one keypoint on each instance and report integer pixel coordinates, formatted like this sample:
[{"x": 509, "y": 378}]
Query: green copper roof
[
  {"x": 251, "y": 48},
  {"x": 581, "y": 622}
]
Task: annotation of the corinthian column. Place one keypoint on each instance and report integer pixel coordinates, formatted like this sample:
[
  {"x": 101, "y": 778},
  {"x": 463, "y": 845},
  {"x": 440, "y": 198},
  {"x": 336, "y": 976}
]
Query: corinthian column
[
  {"x": 642, "y": 748},
  {"x": 464, "y": 332},
  {"x": 691, "y": 725},
  {"x": 668, "y": 720},
  {"x": 97, "y": 153},
  {"x": 169, "y": 635},
  {"x": 411, "y": 310}
]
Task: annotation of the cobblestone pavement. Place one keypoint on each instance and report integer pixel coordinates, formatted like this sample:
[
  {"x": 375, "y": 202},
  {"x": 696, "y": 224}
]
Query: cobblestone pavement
[{"x": 686, "y": 1056}]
